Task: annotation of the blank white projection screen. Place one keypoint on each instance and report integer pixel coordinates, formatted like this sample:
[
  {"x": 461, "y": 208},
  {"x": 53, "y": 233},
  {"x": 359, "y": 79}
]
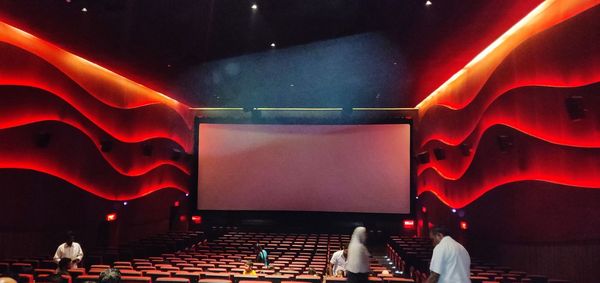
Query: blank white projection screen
[{"x": 329, "y": 168}]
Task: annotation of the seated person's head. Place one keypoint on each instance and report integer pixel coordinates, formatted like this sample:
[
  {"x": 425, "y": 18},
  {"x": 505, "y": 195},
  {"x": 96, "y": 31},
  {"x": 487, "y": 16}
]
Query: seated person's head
[
  {"x": 339, "y": 273},
  {"x": 64, "y": 264},
  {"x": 111, "y": 275},
  {"x": 248, "y": 266},
  {"x": 6, "y": 279},
  {"x": 312, "y": 271}
]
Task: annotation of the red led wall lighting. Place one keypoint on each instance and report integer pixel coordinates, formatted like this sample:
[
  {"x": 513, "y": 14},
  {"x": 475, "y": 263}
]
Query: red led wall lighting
[
  {"x": 197, "y": 219},
  {"x": 111, "y": 217},
  {"x": 409, "y": 224},
  {"x": 182, "y": 218},
  {"x": 176, "y": 203},
  {"x": 424, "y": 209},
  {"x": 463, "y": 225}
]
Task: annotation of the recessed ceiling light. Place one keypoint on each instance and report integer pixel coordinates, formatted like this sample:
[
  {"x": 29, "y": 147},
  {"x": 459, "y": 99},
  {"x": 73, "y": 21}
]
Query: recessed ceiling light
[
  {"x": 428, "y": 3},
  {"x": 273, "y": 44},
  {"x": 254, "y": 6},
  {"x": 84, "y": 9}
]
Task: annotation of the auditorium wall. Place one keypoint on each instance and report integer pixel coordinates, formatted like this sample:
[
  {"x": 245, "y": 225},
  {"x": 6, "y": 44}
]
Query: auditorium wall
[
  {"x": 519, "y": 132},
  {"x": 77, "y": 141}
]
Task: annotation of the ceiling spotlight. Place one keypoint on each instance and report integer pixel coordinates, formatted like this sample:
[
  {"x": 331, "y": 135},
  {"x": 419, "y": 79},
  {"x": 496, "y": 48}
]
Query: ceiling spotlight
[
  {"x": 84, "y": 9},
  {"x": 428, "y": 3},
  {"x": 187, "y": 195},
  {"x": 254, "y": 6},
  {"x": 454, "y": 210},
  {"x": 273, "y": 44},
  {"x": 124, "y": 203}
]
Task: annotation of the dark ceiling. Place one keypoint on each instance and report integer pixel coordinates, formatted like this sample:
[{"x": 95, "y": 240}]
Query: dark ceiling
[{"x": 157, "y": 41}]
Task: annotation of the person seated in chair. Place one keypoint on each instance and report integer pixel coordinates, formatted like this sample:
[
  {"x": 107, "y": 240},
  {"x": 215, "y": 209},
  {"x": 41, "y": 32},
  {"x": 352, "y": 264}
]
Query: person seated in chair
[
  {"x": 248, "y": 268},
  {"x": 111, "y": 275}
]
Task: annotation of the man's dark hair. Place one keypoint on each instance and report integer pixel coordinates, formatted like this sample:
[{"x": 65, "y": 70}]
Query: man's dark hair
[
  {"x": 111, "y": 275},
  {"x": 441, "y": 230},
  {"x": 69, "y": 235}
]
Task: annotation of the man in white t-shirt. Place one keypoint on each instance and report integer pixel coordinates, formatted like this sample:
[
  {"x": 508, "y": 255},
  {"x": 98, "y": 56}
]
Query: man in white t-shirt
[
  {"x": 450, "y": 261},
  {"x": 338, "y": 262},
  {"x": 70, "y": 250}
]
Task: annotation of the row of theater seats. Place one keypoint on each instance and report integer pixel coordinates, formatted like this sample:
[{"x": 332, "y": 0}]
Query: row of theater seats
[
  {"x": 29, "y": 268},
  {"x": 412, "y": 256},
  {"x": 220, "y": 261}
]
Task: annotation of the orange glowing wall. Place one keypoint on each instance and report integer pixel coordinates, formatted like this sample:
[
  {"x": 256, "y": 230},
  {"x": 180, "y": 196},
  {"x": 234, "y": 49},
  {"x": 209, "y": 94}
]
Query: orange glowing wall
[
  {"x": 78, "y": 140},
  {"x": 517, "y": 166}
]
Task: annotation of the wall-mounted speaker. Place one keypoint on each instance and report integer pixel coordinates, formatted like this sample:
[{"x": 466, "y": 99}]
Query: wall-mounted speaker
[
  {"x": 575, "y": 107},
  {"x": 423, "y": 157},
  {"x": 147, "y": 149},
  {"x": 505, "y": 143},
  {"x": 106, "y": 145},
  {"x": 42, "y": 139},
  {"x": 439, "y": 153},
  {"x": 465, "y": 148},
  {"x": 175, "y": 154}
]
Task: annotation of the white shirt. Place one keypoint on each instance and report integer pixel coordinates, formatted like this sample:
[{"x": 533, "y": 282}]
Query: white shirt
[
  {"x": 73, "y": 251},
  {"x": 358, "y": 255},
  {"x": 451, "y": 261},
  {"x": 338, "y": 261}
]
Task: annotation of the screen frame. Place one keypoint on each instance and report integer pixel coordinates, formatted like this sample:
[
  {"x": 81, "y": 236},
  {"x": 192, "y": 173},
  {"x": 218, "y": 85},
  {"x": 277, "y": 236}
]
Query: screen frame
[{"x": 240, "y": 215}]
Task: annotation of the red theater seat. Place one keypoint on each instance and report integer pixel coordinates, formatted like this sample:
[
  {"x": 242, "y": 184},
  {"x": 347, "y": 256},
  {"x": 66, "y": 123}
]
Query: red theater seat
[
  {"x": 194, "y": 277},
  {"x": 136, "y": 279},
  {"x": 397, "y": 279},
  {"x": 130, "y": 272},
  {"x": 87, "y": 278},
  {"x": 42, "y": 271},
  {"x": 172, "y": 280},
  {"x": 331, "y": 279},
  {"x": 213, "y": 280},
  {"x": 21, "y": 267},
  {"x": 25, "y": 278}
]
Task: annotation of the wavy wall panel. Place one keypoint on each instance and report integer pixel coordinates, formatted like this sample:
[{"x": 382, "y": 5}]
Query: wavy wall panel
[
  {"x": 536, "y": 111},
  {"x": 92, "y": 173},
  {"x": 109, "y": 87},
  {"x": 131, "y": 125},
  {"x": 80, "y": 106},
  {"x": 523, "y": 98},
  {"x": 25, "y": 105},
  {"x": 519, "y": 169},
  {"x": 529, "y": 158},
  {"x": 464, "y": 85},
  {"x": 543, "y": 60}
]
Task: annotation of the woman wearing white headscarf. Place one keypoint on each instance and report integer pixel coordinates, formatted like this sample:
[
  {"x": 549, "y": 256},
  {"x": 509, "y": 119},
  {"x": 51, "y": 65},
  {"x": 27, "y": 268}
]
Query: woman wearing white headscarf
[{"x": 357, "y": 265}]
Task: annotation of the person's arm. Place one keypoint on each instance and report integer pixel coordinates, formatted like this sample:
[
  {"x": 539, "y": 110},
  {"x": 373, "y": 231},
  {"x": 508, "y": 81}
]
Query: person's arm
[
  {"x": 332, "y": 264},
  {"x": 79, "y": 254},
  {"x": 57, "y": 254},
  {"x": 433, "y": 277},
  {"x": 435, "y": 266}
]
